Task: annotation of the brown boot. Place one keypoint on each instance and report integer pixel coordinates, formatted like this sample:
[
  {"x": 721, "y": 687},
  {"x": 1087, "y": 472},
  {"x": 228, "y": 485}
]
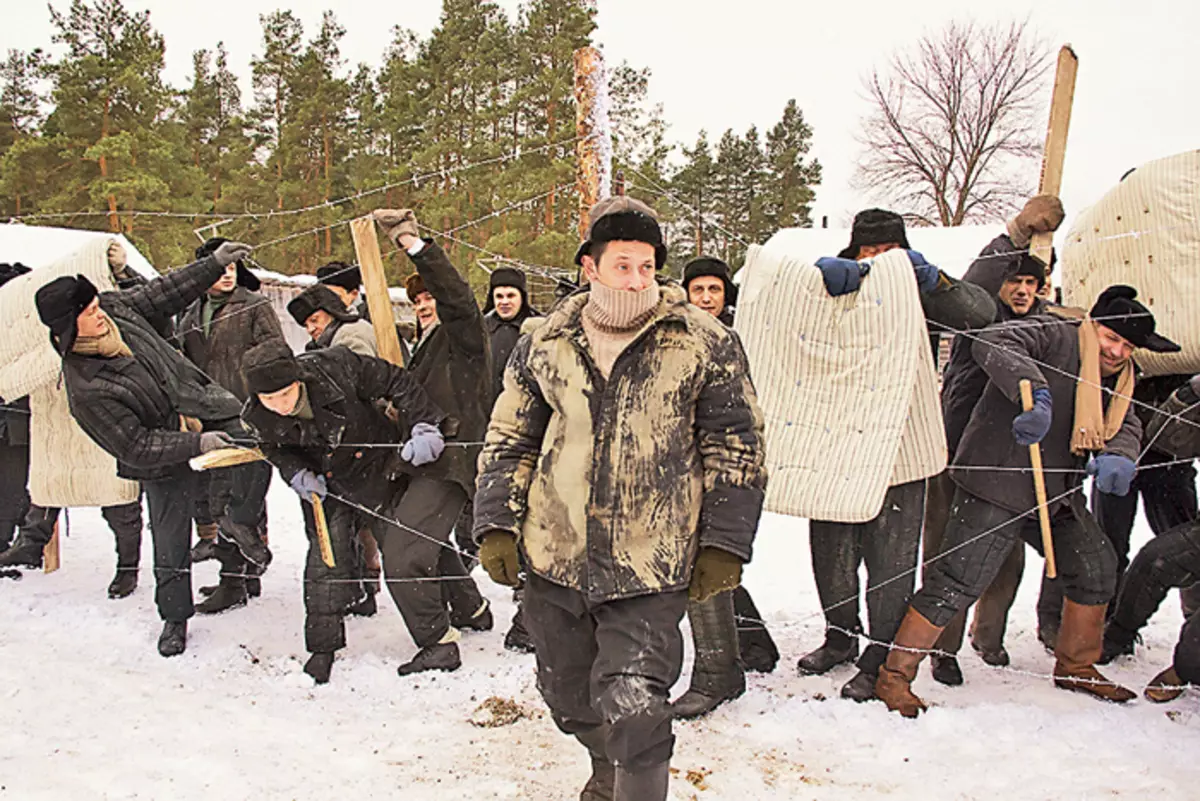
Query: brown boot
[
  {"x": 894, "y": 685},
  {"x": 1080, "y": 641},
  {"x": 1166, "y": 686}
]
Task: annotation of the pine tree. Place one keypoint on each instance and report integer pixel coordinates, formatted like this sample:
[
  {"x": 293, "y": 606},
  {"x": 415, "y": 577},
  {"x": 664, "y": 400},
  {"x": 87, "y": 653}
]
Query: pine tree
[
  {"x": 24, "y": 157},
  {"x": 791, "y": 188}
]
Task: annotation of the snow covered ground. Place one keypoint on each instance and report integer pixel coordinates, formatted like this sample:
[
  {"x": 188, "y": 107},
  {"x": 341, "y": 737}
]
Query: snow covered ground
[{"x": 88, "y": 710}]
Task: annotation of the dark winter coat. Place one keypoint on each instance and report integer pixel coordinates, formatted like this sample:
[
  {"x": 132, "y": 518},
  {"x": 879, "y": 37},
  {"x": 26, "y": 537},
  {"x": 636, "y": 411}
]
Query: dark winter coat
[
  {"x": 14, "y": 422},
  {"x": 247, "y": 319},
  {"x": 453, "y": 364},
  {"x": 343, "y": 390},
  {"x": 963, "y": 381},
  {"x": 164, "y": 324},
  {"x": 612, "y": 485},
  {"x": 131, "y": 406},
  {"x": 1175, "y": 430},
  {"x": 503, "y": 336},
  {"x": 1008, "y": 354}
]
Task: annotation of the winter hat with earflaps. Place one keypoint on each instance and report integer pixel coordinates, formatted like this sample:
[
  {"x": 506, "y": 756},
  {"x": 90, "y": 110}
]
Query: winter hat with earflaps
[
  {"x": 245, "y": 278},
  {"x": 59, "y": 304},
  {"x": 270, "y": 367},
  {"x": 875, "y": 227},
  {"x": 708, "y": 266},
  {"x": 506, "y": 276},
  {"x": 1117, "y": 309},
  {"x": 319, "y": 297},
  {"x": 623, "y": 219},
  {"x": 10, "y": 271},
  {"x": 340, "y": 274}
]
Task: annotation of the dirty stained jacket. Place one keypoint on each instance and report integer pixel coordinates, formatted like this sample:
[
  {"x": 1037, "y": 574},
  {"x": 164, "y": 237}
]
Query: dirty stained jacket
[{"x": 611, "y": 486}]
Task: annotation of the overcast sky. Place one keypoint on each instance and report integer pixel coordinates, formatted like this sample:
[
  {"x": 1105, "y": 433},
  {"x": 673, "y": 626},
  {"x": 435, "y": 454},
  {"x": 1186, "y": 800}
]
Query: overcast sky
[{"x": 732, "y": 64}]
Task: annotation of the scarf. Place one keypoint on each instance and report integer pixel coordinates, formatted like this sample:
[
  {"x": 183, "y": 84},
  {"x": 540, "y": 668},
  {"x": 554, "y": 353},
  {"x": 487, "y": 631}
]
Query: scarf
[
  {"x": 612, "y": 319},
  {"x": 108, "y": 346},
  {"x": 1093, "y": 426},
  {"x": 303, "y": 410},
  {"x": 209, "y": 309}
]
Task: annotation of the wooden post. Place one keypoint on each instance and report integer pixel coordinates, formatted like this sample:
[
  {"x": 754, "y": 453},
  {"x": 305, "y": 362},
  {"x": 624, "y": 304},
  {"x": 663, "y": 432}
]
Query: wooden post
[
  {"x": 1056, "y": 142},
  {"x": 322, "y": 526},
  {"x": 51, "y": 558},
  {"x": 370, "y": 262},
  {"x": 1039, "y": 486},
  {"x": 593, "y": 150}
]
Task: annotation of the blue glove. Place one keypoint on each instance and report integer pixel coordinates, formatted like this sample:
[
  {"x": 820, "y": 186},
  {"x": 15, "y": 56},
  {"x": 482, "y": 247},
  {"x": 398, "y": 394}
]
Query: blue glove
[
  {"x": 1114, "y": 473},
  {"x": 425, "y": 446},
  {"x": 842, "y": 276},
  {"x": 1032, "y": 426},
  {"x": 306, "y": 482},
  {"x": 927, "y": 274}
]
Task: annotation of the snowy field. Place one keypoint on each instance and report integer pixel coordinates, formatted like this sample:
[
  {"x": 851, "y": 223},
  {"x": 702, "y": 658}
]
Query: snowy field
[{"x": 88, "y": 710}]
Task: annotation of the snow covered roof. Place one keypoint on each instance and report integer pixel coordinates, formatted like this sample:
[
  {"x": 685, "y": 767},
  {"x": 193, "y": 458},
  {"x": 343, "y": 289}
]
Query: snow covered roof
[{"x": 40, "y": 245}]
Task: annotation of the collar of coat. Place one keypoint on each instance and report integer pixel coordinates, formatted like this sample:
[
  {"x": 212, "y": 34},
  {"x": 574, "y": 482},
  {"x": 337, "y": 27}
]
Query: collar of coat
[{"x": 567, "y": 318}]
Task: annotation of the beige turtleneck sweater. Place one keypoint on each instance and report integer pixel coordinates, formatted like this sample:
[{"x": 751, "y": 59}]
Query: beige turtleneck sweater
[{"x": 611, "y": 319}]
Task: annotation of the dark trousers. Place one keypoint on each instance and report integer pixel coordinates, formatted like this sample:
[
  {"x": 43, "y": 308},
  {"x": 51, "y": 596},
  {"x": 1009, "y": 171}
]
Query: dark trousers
[
  {"x": 1187, "y": 651},
  {"x": 991, "y": 610},
  {"x": 888, "y": 545},
  {"x": 330, "y": 591},
  {"x": 239, "y": 492},
  {"x": 979, "y": 538},
  {"x": 14, "y": 490},
  {"x": 610, "y": 663},
  {"x": 413, "y": 554},
  {"x": 169, "y": 502},
  {"x": 1167, "y": 561},
  {"x": 124, "y": 519}
]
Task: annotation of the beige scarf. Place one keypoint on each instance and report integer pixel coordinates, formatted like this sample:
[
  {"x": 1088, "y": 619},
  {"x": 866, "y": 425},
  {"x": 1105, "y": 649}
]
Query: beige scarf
[
  {"x": 612, "y": 319},
  {"x": 108, "y": 346},
  {"x": 1093, "y": 427}
]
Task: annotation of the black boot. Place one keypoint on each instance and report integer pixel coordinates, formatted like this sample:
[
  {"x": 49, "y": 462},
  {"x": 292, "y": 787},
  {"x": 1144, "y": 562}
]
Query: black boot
[
  {"x": 861, "y": 688},
  {"x": 247, "y": 540},
  {"x": 254, "y": 580},
  {"x": 599, "y": 785},
  {"x": 759, "y": 652},
  {"x": 26, "y": 551},
  {"x": 946, "y": 670},
  {"x": 479, "y": 620},
  {"x": 364, "y": 608},
  {"x": 126, "y": 524},
  {"x": 231, "y": 590},
  {"x": 206, "y": 548},
  {"x": 997, "y": 658},
  {"x": 1117, "y": 642},
  {"x": 717, "y": 675},
  {"x": 319, "y": 666},
  {"x": 647, "y": 784},
  {"x": 1049, "y": 612},
  {"x": 439, "y": 656},
  {"x": 837, "y": 649},
  {"x": 124, "y": 583},
  {"x": 173, "y": 640},
  {"x": 518, "y": 639}
]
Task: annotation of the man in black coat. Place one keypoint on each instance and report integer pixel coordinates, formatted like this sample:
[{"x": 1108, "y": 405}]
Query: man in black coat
[
  {"x": 319, "y": 420},
  {"x": 142, "y": 402},
  {"x": 507, "y": 308}
]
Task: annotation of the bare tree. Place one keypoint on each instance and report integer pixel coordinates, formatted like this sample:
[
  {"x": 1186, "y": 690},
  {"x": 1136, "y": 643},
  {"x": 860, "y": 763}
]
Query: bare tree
[{"x": 955, "y": 119}]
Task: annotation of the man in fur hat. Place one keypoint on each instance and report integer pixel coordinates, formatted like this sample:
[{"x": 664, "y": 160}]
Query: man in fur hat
[
  {"x": 346, "y": 282},
  {"x": 153, "y": 410},
  {"x": 330, "y": 324},
  {"x": 709, "y": 285},
  {"x": 625, "y": 460},
  {"x": 1082, "y": 409}
]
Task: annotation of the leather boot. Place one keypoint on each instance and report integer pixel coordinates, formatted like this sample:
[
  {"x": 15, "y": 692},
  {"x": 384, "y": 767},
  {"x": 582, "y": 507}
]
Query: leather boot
[
  {"x": 1166, "y": 686},
  {"x": 647, "y": 784},
  {"x": 894, "y": 685},
  {"x": 1079, "y": 646},
  {"x": 439, "y": 656},
  {"x": 26, "y": 551},
  {"x": 717, "y": 675},
  {"x": 1049, "y": 613},
  {"x": 837, "y": 649},
  {"x": 231, "y": 590},
  {"x": 946, "y": 671},
  {"x": 173, "y": 640},
  {"x": 205, "y": 549},
  {"x": 479, "y": 619},
  {"x": 599, "y": 785}
]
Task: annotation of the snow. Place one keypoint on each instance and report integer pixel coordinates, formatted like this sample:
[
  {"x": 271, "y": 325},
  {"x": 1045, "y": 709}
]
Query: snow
[
  {"x": 41, "y": 245},
  {"x": 89, "y": 710}
]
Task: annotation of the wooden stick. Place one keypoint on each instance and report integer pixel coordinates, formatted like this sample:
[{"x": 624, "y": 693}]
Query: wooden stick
[
  {"x": 323, "y": 540},
  {"x": 1039, "y": 486},
  {"x": 51, "y": 558},
  {"x": 1056, "y": 142},
  {"x": 379, "y": 301},
  {"x": 225, "y": 457}
]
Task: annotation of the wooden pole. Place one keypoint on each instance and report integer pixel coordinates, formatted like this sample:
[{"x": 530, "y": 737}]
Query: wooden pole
[
  {"x": 593, "y": 150},
  {"x": 322, "y": 527},
  {"x": 370, "y": 262},
  {"x": 51, "y": 558},
  {"x": 1056, "y": 142},
  {"x": 1039, "y": 486}
]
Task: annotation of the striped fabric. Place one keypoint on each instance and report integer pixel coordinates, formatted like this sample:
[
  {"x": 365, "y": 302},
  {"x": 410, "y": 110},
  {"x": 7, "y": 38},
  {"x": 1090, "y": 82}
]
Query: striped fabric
[
  {"x": 1145, "y": 233},
  {"x": 847, "y": 385}
]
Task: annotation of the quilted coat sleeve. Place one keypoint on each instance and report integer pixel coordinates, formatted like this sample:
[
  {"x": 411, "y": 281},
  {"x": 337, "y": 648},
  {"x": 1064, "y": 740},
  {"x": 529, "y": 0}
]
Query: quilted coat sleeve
[
  {"x": 377, "y": 379},
  {"x": 116, "y": 429},
  {"x": 1008, "y": 354},
  {"x": 1128, "y": 441},
  {"x": 511, "y": 449},
  {"x": 1175, "y": 429},
  {"x": 174, "y": 292},
  {"x": 264, "y": 322},
  {"x": 957, "y": 306},
  {"x": 456, "y": 306},
  {"x": 729, "y": 428}
]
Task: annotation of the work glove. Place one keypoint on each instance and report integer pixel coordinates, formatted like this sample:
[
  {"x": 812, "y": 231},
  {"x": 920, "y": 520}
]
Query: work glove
[
  {"x": 1114, "y": 473},
  {"x": 215, "y": 440},
  {"x": 425, "y": 446},
  {"x": 715, "y": 572},
  {"x": 396, "y": 222},
  {"x": 117, "y": 258},
  {"x": 927, "y": 275},
  {"x": 1032, "y": 426},
  {"x": 498, "y": 555},
  {"x": 306, "y": 483},
  {"x": 229, "y": 252},
  {"x": 1042, "y": 214},
  {"x": 842, "y": 276}
]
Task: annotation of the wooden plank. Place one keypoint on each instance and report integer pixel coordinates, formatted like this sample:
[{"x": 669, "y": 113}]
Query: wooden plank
[
  {"x": 323, "y": 540},
  {"x": 225, "y": 457},
  {"x": 1055, "y": 152},
  {"x": 370, "y": 262},
  {"x": 51, "y": 557}
]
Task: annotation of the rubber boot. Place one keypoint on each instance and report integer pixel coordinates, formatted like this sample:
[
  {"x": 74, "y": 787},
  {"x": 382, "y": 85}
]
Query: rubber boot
[
  {"x": 231, "y": 590},
  {"x": 837, "y": 649},
  {"x": 894, "y": 685},
  {"x": 129, "y": 552},
  {"x": 717, "y": 675},
  {"x": 205, "y": 549},
  {"x": 599, "y": 785},
  {"x": 1079, "y": 646},
  {"x": 647, "y": 784}
]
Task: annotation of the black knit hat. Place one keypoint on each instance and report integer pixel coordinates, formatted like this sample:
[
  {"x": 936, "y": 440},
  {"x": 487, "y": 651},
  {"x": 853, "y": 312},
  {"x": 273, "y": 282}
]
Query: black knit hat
[
  {"x": 319, "y": 297},
  {"x": 706, "y": 265},
  {"x": 875, "y": 227},
  {"x": 59, "y": 304},
  {"x": 340, "y": 274},
  {"x": 244, "y": 277},
  {"x": 1117, "y": 309},
  {"x": 269, "y": 367},
  {"x": 623, "y": 219},
  {"x": 1028, "y": 265},
  {"x": 10, "y": 271},
  {"x": 506, "y": 276}
]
